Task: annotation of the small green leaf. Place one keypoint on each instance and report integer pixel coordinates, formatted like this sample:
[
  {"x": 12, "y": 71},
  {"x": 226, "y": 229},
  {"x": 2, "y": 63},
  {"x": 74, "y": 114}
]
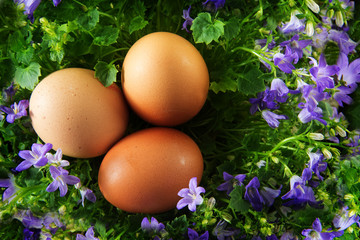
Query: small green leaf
[
  {"x": 106, "y": 73},
  {"x": 106, "y": 35},
  {"x": 231, "y": 29},
  {"x": 89, "y": 20},
  {"x": 137, "y": 23},
  {"x": 251, "y": 81},
  {"x": 27, "y": 77},
  {"x": 205, "y": 30},
  {"x": 237, "y": 202},
  {"x": 225, "y": 85},
  {"x": 100, "y": 228}
]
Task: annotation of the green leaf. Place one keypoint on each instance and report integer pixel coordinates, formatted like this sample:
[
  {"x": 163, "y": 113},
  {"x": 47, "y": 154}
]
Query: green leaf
[
  {"x": 225, "y": 85},
  {"x": 137, "y": 23},
  {"x": 89, "y": 20},
  {"x": 100, "y": 228},
  {"x": 106, "y": 36},
  {"x": 237, "y": 202},
  {"x": 231, "y": 29},
  {"x": 27, "y": 77},
  {"x": 205, "y": 30},
  {"x": 106, "y": 73},
  {"x": 251, "y": 82}
]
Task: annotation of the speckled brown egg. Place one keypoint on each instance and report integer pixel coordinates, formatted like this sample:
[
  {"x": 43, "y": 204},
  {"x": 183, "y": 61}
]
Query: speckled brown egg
[
  {"x": 73, "y": 111},
  {"x": 165, "y": 79},
  {"x": 145, "y": 170}
]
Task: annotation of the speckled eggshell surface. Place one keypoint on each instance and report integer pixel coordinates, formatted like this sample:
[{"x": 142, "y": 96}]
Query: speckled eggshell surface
[
  {"x": 145, "y": 170},
  {"x": 165, "y": 79},
  {"x": 73, "y": 111}
]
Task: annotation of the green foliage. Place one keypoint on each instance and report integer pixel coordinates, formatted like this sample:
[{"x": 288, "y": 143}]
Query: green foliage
[
  {"x": 206, "y": 30},
  {"x": 106, "y": 73}
]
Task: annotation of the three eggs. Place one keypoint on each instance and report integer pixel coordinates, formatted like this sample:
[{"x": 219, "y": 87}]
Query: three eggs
[{"x": 165, "y": 81}]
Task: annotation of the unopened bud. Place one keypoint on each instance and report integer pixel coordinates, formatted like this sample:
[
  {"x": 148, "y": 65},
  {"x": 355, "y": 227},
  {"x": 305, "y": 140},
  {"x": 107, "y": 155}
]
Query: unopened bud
[
  {"x": 227, "y": 217},
  {"x": 352, "y": 212},
  {"x": 312, "y": 5},
  {"x": 263, "y": 221},
  {"x": 339, "y": 20},
  {"x": 211, "y": 203},
  {"x": 330, "y": 13},
  {"x": 348, "y": 196},
  {"x": 62, "y": 210},
  {"x": 327, "y": 153},
  {"x": 332, "y": 132},
  {"x": 287, "y": 171},
  {"x": 309, "y": 28},
  {"x": 340, "y": 131},
  {"x": 275, "y": 159},
  {"x": 336, "y": 152},
  {"x": 316, "y": 136}
]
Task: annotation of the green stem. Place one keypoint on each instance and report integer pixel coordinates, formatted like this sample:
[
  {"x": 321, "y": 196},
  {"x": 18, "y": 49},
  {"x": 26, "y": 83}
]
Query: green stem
[{"x": 24, "y": 192}]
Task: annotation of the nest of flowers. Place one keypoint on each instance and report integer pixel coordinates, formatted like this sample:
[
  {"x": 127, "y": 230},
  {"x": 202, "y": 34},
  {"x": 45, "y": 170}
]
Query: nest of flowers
[{"x": 278, "y": 132}]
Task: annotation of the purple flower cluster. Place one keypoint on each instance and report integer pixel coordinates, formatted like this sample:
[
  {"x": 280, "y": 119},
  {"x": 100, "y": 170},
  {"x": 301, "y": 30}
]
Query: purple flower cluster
[
  {"x": 34, "y": 225},
  {"x": 31, "y": 5}
]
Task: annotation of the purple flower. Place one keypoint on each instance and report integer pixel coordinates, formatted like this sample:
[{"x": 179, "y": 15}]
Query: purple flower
[
  {"x": 222, "y": 233},
  {"x": 296, "y": 46},
  {"x": 271, "y": 237},
  {"x": 349, "y": 73},
  {"x": 355, "y": 144},
  {"x": 89, "y": 235},
  {"x": 272, "y": 118},
  {"x": 56, "y": 159},
  {"x": 320, "y": 38},
  {"x": 15, "y": 111},
  {"x": 29, "y": 220},
  {"x": 316, "y": 232},
  {"x": 190, "y": 196},
  {"x": 342, "y": 94},
  {"x": 56, "y": 2},
  {"x": 265, "y": 196},
  {"x": 193, "y": 235},
  {"x": 61, "y": 179},
  {"x": 9, "y": 183},
  {"x": 321, "y": 73},
  {"x": 213, "y": 5},
  {"x": 284, "y": 61},
  {"x": 36, "y": 157},
  {"x": 288, "y": 236},
  {"x": 230, "y": 182},
  {"x": 294, "y": 25},
  {"x": 343, "y": 221},
  {"x": 152, "y": 226},
  {"x": 343, "y": 40},
  {"x": 85, "y": 193},
  {"x": 188, "y": 20},
  {"x": 299, "y": 193},
  {"x": 51, "y": 219},
  {"x": 280, "y": 90},
  {"x": 9, "y": 92},
  {"x": 262, "y": 43},
  {"x": 308, "y": 114},
  {"x": 264, "y": 100},
  {"x": 316, "y": 163},
  {"x": 31, "y": 234},
  {"x": 29, "y": 7}
]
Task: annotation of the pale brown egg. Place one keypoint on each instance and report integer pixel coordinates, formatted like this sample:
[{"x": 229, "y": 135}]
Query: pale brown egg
[
  {"x": 165, "y": 79},
  {"x": 73, "y": 111},
  {"x": 145, "y": 170}
]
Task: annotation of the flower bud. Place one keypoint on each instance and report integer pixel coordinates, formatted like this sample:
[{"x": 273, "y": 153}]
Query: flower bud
[
  {"x": 312, "y": 5},
  {"x": 62, "y": 210},
  {"x": 309, "y": 28},
  {"x": 349, "y": 196},
  {"x": 263, "y": 221},
  {"x": 352, "y": 212},
  {"x": 275, "y": 159},
  {"x": 330, "y": 13},
  {"x": 316, "y": 136},
  {"x": 340, "y": 131},
  {"x": 327, "y": 153},
  {"x": 339, "y": 20},
  {"x": 227, "y": 217},
  {"x": 211, "y": 203}
]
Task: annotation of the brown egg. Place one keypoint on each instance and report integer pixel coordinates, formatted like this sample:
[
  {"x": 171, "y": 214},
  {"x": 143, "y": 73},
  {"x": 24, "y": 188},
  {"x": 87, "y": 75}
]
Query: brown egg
[
  {"x": 165, "y": 79},
  {"x": 73, "y": 111},
  {"x": 145, "y": 170}
]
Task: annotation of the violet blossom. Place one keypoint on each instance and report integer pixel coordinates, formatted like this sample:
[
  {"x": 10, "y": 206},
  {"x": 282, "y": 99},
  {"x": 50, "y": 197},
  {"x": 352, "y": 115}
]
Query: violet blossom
[
  {"x": 15, "y": 111},
  {"x": 153, "y": 226},
  {"x": 349, "y": 73},
  {"x": 193, "y": 235},
  {"x": 222, "y": 233},
  {"x": 61, "y": 179},
  {"x": 190, "y": 196},
  {"x": 299, "y": 194},
  {"x": 284, "y": 61},
  {"x": 85, "y": 193},
  {"x": 296, "y": 46},
  {"x": 316, "y": 232},
  {"x": 10, "y": 186},
  {"x": 321, "y": 73},
  {"x": 343, "y": 41},
  {"x": 8, "y": 93},
  {"x": 36, "y": 157},
  {"x": 31, "y": 5},
  {"x": 230, "y": 182},
  {"x": 316, "y": 163},
  {"x": 343, "y": 220},
  {"x": 213, "y": 5},
  {"x": 342, "y": 94},
  {"x": 188, "y": 20},
  {"x": 89, "y": 235},
  {"x": 56, "y": 159},
  {"x": 294, "y": 25},
  {"x": 51, "y": 219},
  {"x": 320, "y": 37},
  {"x": 272, "y": 118}
]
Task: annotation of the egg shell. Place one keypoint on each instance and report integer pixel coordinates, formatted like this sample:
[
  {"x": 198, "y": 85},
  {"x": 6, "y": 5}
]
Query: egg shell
[
  {"x": 145, "y": 170},
  {"x": 72, "y": 110},
  {"x": 165, "y": 79}
]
